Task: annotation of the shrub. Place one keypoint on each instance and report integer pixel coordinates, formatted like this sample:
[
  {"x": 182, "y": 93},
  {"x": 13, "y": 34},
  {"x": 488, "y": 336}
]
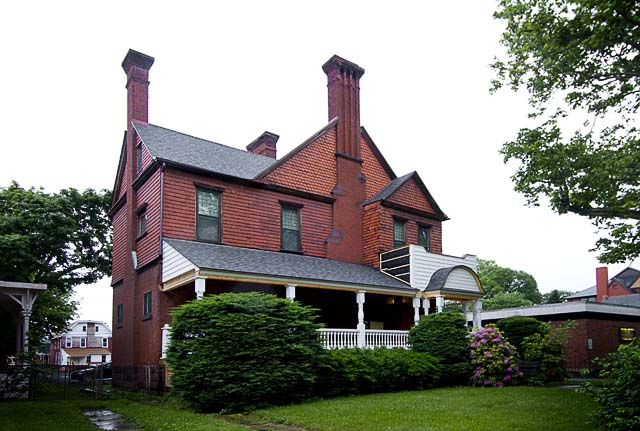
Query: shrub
[
  {"x": 241, "y": 351},
  {"x": 516, "y": 328},
  {"x": 493, "y": 359},
  {"x": 548, "y": 350},
  {"x": 362, "y": 371},
  {"x": 619, "y": 394},
  {"x": 445, "y": 336}
]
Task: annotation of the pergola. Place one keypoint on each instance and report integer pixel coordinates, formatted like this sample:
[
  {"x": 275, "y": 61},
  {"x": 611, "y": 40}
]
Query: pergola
[{"x": 24, "y": 294}]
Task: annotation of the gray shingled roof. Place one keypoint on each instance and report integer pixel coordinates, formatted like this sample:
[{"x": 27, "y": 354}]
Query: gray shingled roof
[
  {"x": 227, "y": 258},
  {"x": 389, "y": 189},
  {"x": 171, "y": 146},
  {"x": 590, "y": 291},
  {"x": 632, "y": 300}
]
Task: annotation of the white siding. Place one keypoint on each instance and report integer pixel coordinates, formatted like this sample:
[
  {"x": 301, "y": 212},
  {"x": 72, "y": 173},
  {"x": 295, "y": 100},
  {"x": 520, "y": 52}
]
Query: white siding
[
  {"x": 174, "y": 263},
  {"x": 424, "y": 264},
  {"x": 459, "y": 279}
]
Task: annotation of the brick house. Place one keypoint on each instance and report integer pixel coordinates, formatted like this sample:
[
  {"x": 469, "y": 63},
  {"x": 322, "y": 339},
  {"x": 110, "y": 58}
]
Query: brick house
[
  {"x": 603, "y": 316},
  {"x": 86, "y": 342},
  {"x": 329, "y": 224}
]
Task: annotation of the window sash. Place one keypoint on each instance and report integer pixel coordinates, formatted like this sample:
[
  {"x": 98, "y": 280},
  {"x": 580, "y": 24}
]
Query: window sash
[
  {"x": 146, "y": 306},
  {"x": 208, "y": 215},
  {"x": 399, "y": 233},
  {"x": 290, "y": 229},
  {"x": 105, "y": 342},
  {"x": 83, "y": 342},
  {"x": 68, "y": 342},
  {"x": 138, "y": 157},
  {"x": 142, "y": 223},
  {"x": 424, "y": 237},
  {"x": 119, "y": 315}
]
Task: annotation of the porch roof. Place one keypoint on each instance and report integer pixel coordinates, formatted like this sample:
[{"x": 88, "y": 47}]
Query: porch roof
[
  {"x": 260, "y": 263},
  {"x": 79, "y": 352}
]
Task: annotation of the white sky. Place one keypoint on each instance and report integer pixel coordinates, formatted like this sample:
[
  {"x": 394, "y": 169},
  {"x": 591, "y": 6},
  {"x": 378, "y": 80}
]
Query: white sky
[{"x": 227, "y": 71}]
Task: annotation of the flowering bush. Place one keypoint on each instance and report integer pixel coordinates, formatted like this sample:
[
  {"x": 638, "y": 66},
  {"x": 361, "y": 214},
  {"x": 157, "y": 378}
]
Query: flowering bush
[{"x": 492, "y": 359}]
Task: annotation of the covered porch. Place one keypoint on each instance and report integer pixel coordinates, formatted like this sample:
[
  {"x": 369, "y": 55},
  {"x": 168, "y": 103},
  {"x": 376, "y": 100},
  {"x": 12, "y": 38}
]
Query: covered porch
[{"x": 359, "y": 306}]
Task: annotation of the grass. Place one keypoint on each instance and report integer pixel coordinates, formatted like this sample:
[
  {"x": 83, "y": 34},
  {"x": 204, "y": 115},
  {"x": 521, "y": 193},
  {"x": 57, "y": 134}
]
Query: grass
[
  {"x": 448, "y": 409},
  {"x": 472, "y": 409}
]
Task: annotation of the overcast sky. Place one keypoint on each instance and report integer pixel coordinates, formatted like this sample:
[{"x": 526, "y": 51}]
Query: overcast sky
[{"x": 228, "y": 71}]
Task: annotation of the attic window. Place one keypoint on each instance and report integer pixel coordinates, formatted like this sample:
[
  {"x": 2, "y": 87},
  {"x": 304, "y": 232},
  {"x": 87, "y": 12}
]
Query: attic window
[{"x": 424, "y": 236}]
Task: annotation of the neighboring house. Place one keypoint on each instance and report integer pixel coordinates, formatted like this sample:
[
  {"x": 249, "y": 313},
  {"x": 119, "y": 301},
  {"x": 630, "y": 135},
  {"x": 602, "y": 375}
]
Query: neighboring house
[
  {"x": 603, "y": 317},
  {"x": 86, "y": 342},
  {"x": 329, "y": 224}
]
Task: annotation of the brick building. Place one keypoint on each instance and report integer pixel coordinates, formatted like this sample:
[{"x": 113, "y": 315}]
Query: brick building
[
  {"x": 329, "y": 224},
  {"x": 603, "y": 316}
]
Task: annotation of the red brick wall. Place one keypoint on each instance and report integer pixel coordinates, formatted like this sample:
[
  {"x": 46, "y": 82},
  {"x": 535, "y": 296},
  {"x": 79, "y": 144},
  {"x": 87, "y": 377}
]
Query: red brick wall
[
  {"x": 604, "y": 335},
  {"x": 411, "y": 196},
  {"x": 376, "y": 176},
  {"x": 250, "y": 216},
  {"x": 148, "y": 246},
  {"x": 312, "y": 169}
]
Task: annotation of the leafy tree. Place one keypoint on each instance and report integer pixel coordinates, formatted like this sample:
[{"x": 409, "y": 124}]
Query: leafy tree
[
  {"x": 496, "y": 279},
  {"x": 506, "y": 300},
  {"x": 555, "y": 296},
  {"x": 579, "y": 57},
  {"x": 60, "y": 239}
]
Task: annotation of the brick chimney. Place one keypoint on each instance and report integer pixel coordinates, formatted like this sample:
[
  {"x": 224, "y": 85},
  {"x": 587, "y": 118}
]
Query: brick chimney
[
  {"x": 136, "y": 65},
  {"x": 264, "y": 144},
  {"x": 345, "y": 240},
  {"x": 602, "y": 284},
  {"x": 343, "y": 83}
]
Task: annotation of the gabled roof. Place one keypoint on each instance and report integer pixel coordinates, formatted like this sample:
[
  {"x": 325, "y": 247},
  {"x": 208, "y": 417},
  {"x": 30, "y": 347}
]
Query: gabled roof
[
  {"x": 185, "y": 150},
  {"x": 627, "y": 277},
  {"x": 261, "y": 262},
  {"x": 388, "y": 190}
]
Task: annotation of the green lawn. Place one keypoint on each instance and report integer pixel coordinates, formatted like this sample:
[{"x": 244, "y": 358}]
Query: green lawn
[{"x": 517, "y": 408}]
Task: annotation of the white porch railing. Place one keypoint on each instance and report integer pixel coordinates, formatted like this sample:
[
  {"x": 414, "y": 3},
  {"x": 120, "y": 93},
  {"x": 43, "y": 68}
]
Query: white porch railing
[{"x": 332, "y": 338}]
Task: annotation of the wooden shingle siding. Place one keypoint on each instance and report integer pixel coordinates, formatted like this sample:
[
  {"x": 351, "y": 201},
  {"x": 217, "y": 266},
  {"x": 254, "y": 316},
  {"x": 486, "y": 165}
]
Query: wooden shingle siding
[
  {"x": 119, "y": 250},
  {"x": 250, "y": 217},
  {"x": 377, "y": 177},
  {"x": 148, "y": 247},
  {"x": 411, "y": 196}
]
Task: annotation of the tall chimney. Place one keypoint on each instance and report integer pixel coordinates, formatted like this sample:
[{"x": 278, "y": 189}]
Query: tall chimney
[
  {"x": 343, "y": 83},
  {"x": 602, "y": 284},
  {"x": 136, "y": 65},
  {"x": 345, "y": 241}
]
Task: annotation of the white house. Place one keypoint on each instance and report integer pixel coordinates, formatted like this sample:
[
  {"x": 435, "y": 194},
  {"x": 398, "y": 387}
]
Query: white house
[{"x": 86, "y": 342}]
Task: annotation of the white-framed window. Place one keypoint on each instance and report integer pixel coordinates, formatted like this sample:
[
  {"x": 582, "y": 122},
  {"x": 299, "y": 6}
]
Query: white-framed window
[
  {"x": 68, "y": 342},
  {"x": 97, "y": 328},
  {"x": 105, "y": 342},
  {"x": 84, "y": 328},
  {"x": 83, "y": 342}
]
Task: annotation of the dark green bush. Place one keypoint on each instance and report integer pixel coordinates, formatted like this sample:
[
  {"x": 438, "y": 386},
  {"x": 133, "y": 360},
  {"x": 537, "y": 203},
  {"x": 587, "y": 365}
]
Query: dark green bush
[
  {"x": 240, "y": 351},
  {"x": 516, "y": 328},
  {"x": 445, "y": 336},
  {"x": 619, "y": 394},
  {"x": 547, "y": 350},
  {"x": 363, "y": 371}
]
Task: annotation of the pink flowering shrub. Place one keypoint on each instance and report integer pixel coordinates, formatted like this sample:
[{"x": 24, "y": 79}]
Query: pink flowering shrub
[{"x": 493, "y": 359}]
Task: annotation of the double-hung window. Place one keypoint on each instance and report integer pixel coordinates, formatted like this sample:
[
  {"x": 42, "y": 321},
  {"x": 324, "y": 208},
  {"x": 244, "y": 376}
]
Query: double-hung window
[
  {"x": 83, "y": 342},
  {"x": 119, "y": 315},
  {"x": 141, "y": 212},
  {"x": 68, "y": 342},
  {"x": 105, "y": 342},
  {"x": 399, "y": 234},
  {"x": 208, "y": 220},
  {"x": 290, "y": 228},
  {"x": 423, "y": 236}
]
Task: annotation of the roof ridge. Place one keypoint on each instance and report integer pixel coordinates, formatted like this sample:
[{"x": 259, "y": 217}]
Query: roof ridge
[{"x": 206, "y": 140}]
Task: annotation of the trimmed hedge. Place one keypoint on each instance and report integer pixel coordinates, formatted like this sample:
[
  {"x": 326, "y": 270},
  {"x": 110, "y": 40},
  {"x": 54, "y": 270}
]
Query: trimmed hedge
[
  {"x": 235, "y": 352},
  {"x": 364, "y": 371},
  {"x": 445, "y": 336}
]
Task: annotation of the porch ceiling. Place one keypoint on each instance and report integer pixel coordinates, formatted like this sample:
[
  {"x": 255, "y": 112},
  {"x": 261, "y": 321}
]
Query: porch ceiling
[{"x": 184, "y": 260}]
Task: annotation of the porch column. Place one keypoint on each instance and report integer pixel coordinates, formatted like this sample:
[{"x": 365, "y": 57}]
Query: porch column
[
  {"x": 26, "y": 316},
  {"x": 166, "y": 340},
  {"x": 426, "y": 304},
  {"x": 440, "y": 303},
  {"x": 200, "y": 287},
  {"x": 416, "y": 310},
  {"x": 360, "y": 327},
  {"x": 291, "y": 292},
  {"x": 477, "y": 313}
]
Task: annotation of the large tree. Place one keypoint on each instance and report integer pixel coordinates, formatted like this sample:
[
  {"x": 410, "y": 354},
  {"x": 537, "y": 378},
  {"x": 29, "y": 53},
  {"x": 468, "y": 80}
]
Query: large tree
[
  {"x": 59, "y": 239},
  {"x": 514, "y": 287},
  {"x": 578, "y": 58}
]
